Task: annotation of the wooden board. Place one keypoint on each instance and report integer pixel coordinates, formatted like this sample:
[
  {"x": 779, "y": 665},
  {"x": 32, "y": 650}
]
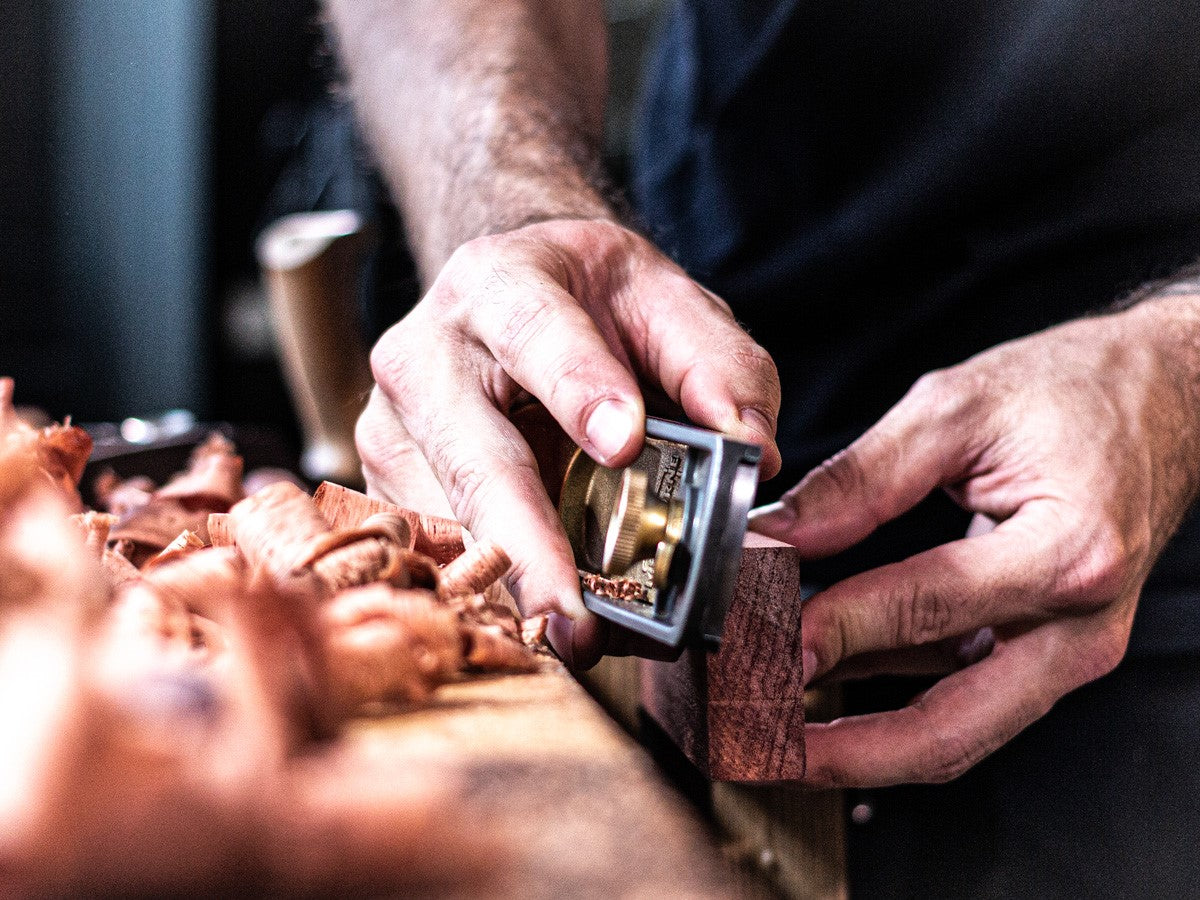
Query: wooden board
[
  {"x": 738, "y": 715},
  {"x": 580, "y": 806}
]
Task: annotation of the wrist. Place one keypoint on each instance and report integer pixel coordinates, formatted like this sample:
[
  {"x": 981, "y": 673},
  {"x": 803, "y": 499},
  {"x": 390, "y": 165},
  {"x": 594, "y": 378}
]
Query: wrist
[
  {"x": 505, "y": 200},
  {"x": 1167, "y": 322},
  {"x": 1169, "y": 318},
  {"x": 529, "y": 163}
]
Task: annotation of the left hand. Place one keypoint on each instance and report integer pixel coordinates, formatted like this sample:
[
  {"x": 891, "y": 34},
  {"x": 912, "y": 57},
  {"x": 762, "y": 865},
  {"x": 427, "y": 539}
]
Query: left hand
[{"x": 1083, "y": 443}]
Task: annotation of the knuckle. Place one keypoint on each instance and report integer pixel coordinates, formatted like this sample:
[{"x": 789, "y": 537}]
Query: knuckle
[
  {"x": 939, "y": 395},
  {"x": 567, "y": 377},
  {"x": 468, "y": 479},
  {"x": 921, "y": 616},
  {"x": 468, "y": 256},
  {"x": 1100, "y": 573},
  {"x": 392, "y": 361},
  {"x": 845, "y": 472},
  {"x": 754, "y": 360},
  {"x": 952, "y": 754},
  {"x": 465, "y": 481},
  {"x": 521, "y": 327},
  {"x": 384, "y": 359},
  {"x": 367, "y": 432}
]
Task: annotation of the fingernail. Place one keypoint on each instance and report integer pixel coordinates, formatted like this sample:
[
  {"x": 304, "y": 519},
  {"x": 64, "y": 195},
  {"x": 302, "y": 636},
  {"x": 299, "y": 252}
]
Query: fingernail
[
  {"x": 756, "y": 421},
  {"x": 609, "y": 428},
  {"x": 776, "y": 510},
  {"x": 808, "y": 662}
]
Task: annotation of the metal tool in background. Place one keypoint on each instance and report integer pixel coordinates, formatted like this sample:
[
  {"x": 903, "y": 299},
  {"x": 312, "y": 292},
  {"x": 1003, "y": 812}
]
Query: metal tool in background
[{"x": 673, "y": 521}]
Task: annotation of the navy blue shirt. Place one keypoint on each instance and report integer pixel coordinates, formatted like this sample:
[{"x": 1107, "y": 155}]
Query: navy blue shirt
[{"x": 880, "y": 189}]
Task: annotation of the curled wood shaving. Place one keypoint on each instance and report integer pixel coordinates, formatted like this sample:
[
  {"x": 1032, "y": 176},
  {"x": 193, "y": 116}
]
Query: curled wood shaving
[
  {"x": 44, "y": 564},
  {"x": 56, "y": 453},
  {"x": 439, "y": 538},
  {"x": 478, "y": 609},
  {"x": 533, "y": 631},
  {"x": 122, "y": 497},
  {"x": 276, "y": 527},
  {"x": 213, "y": 479},
  {"x": 118, "y": 569},
  {"x": 187, "y": 542},
  {"x": 257, "y": 479},
  {"x": 220, "y": 531},
  {"x": 205, "y": 581},
  {"x": 94, "y": 526},
  {"x": 479, "y": 566},
  {"x": 152, "y": 527},
  {"x": 392, "y": 526},
  {"x": 361, "y": 562},
  {"x": 388, "y": 646},
  {"x": 187, "y": 717},
  {"x": 491, "y": 648},
  {"x": 140, "y": 613},
  {"x": 281, "y": 530}
]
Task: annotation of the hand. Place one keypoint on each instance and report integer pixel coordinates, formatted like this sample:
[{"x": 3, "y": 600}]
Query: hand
[
  {"x": 574, "y": 313},
  {"x": 1082, "y": 443}
]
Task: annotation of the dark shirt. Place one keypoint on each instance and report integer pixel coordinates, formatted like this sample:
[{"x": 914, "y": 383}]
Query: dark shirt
[{"x": 883, "y": 189}]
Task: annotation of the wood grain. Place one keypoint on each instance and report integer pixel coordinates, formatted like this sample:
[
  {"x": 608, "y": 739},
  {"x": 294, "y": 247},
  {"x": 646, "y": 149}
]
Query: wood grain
[{"x": 738, "y": 715}]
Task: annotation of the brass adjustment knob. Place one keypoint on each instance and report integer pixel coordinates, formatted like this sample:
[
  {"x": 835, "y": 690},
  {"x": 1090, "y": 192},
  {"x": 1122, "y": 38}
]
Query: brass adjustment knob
[
  {"x": 641, "y": 526},
  {"x": 613, "y": 520}
]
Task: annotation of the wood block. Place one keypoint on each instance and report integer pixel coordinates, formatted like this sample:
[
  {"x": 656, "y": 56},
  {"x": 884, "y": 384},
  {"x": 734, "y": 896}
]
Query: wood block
[{"x": 738, "y": 715}]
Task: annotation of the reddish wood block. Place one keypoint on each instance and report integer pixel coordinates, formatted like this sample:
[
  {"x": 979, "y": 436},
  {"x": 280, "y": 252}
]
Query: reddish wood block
[{"x": 738, "y": 715}]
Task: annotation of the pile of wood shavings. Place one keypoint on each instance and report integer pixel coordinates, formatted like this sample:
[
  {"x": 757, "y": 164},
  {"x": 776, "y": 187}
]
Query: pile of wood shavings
[
  {"x": 616, "y": 588},
  {"x": 182, "y": 663}
]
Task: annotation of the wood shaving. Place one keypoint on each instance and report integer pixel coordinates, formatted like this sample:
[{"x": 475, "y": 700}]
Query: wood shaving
[
  {"x": 616, "y": 588},
  {"x": 189, "y": 698}
]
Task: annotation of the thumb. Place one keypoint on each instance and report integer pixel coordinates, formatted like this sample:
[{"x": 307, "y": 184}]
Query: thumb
[{"x": 922, "y": 443}]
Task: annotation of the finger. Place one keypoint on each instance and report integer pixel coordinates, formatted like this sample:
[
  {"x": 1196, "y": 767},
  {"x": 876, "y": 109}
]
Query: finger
[
  {"x": 394, "y": 467},
  {"x": 952, "y": 726},
  {"x": 691, "y": 345},
  {"x": 927, "y": 440},
  {"x": 909, "y": 662},
  {"x": 580, "y": 645},
  {"x": 550, "y": 346},
  {"x": 937, "y": 658},
  {"x": 489, "y": 476},
  {"x": 1004, "y": 576},
  {"x": 494, "y": 488}
]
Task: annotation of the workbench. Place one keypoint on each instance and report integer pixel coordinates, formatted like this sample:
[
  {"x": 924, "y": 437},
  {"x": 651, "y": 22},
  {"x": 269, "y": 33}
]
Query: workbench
[{"x": 580, "y": 809}]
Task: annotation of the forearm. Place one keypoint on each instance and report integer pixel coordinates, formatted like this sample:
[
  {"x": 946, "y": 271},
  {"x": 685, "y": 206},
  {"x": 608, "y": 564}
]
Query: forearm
[{"x": 485, "y": 115}]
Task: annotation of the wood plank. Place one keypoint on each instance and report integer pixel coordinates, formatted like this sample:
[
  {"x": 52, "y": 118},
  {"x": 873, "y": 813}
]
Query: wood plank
[
  {"x": 738, "y": 715},
  {"x": 580, "y": 806}
]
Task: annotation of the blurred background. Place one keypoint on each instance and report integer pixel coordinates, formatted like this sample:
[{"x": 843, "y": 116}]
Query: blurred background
[{"x": 143, "y": 146}]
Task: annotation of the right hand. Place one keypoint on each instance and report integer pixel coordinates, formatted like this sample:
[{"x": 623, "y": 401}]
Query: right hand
[{"x": 574, "y": 312}]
